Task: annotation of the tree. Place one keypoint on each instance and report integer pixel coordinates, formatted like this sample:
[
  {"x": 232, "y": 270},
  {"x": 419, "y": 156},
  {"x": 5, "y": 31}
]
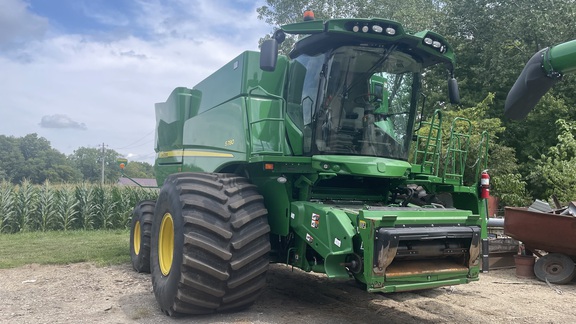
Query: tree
[
  {"x": 33, "y": 158},
  {"x": 554, "y": 171},
  {"x": 414, "y": 14},
  {"x": 494, "y": 39},
  {"x": 11, "y": 158},
  {"x": 135, "y": 169},
  {"x": 89, "y": 162}
]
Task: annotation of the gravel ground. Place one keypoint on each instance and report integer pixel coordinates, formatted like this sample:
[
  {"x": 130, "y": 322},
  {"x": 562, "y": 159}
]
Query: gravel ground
[{"x": 84, "y": 293}]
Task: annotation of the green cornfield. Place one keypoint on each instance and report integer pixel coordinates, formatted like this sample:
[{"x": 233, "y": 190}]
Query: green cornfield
[{"x": 62, "y": 207}]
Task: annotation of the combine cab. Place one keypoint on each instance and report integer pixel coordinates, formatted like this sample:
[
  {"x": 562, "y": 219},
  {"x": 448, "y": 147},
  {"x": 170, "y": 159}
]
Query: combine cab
[{"x": 311, "y": 160}]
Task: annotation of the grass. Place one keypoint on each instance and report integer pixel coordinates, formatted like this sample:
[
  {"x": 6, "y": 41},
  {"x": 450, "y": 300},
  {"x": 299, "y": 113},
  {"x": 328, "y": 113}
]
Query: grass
[{"x": 57, "y": 247}]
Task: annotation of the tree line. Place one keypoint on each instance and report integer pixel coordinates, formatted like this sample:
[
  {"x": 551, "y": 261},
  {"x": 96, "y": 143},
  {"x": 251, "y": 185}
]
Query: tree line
[
  {"x": 492, "y": 41},
  {"x": 32, "y": 158}
]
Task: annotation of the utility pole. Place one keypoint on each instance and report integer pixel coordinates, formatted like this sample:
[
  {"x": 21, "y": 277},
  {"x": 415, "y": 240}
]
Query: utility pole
[{"x": 103, "y": 158}]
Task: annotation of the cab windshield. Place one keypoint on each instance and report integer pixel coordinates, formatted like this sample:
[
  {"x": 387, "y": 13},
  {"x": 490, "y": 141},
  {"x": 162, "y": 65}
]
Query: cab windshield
[{"x": 356, "y": 101}]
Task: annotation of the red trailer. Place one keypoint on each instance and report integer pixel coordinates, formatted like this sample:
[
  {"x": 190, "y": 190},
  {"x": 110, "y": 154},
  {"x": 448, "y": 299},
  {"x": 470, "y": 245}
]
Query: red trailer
[{"x": 550, "y": 236}]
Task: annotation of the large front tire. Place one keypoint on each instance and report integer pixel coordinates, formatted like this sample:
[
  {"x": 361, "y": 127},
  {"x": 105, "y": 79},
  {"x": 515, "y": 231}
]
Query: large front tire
[
  {"x": 140, "y": 234},
  {"x": 210, "y": 244}
]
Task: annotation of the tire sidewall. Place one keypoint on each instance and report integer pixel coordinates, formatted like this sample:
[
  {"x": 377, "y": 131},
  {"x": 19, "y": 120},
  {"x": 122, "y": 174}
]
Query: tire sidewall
[
  {"x": 166, "y": 287},
  {"x": 135, "y": 258}
]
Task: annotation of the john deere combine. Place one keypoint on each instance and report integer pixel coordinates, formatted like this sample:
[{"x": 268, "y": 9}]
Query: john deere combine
[{"x": 311, "y": 160}]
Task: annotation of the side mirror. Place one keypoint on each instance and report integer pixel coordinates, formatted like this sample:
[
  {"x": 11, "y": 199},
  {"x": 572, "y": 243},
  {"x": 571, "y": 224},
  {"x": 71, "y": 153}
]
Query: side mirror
[
  {"x": 269, "y": 55},
  {"x": 453, "y": 91}
]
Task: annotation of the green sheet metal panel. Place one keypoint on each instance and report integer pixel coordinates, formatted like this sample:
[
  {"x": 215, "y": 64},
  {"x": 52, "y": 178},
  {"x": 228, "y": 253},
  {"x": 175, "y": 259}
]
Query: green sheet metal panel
[
  {"x": 241, "y": 76},
  {"x": 216, "y": 137},
  {"x": 266, "y": 120}
]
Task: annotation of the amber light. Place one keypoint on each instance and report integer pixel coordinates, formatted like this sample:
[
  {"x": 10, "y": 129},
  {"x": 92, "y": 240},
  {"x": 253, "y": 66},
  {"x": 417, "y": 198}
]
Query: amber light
[
  {"x": 122, "y": 165},
  {"x": 308, "y": 15},
  {"x": 268, "y": 166}
]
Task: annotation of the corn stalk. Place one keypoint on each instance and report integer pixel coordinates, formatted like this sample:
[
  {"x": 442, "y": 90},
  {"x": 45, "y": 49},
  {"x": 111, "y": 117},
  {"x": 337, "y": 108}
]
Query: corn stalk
[
  {"x": 87, "y": 206},
  {"x": 105, "y": 207},
  {"x": 7, "y": 207},
  {"x": 26, "y": 205},
  {"x": 47, "y": 210},
  {"x": 66, "y": 208},
  {"x": 124, "y": 206}
]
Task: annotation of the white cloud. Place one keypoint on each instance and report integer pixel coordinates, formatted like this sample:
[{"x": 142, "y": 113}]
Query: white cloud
[
  {"x": 18, "y": 25},
  {"x": 60, "y": 121},
  {"x": 111, "y": 85}
]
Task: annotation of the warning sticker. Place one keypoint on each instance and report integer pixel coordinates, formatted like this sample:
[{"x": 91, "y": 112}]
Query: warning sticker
[
  {"x": 309, "y": 238},
  {"x": 315, "y": 220},
  {"x": 362, "y": 224},
  {"x": 337, "y": 242}
]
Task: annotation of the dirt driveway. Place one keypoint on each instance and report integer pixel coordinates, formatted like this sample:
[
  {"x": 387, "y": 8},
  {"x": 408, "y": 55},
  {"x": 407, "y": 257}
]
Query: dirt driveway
[{"x": 83, "y": 293}]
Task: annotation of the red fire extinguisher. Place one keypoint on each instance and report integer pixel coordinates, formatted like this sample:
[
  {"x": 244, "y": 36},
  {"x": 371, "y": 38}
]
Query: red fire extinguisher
[{"x": 484, "y": 185}]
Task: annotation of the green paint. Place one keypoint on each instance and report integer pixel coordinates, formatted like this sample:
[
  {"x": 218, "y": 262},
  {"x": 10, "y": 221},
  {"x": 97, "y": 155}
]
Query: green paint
[
  {"x": 560, "y": 58},
  {"x": 326, "y": 138}
]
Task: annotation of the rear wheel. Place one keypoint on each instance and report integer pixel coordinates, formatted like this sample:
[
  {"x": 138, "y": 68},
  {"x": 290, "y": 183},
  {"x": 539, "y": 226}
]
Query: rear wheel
[
  {"x": 210, "y": 244},
  {"x": 556, "y": 267},
  {"x": 140, "y": 233}
]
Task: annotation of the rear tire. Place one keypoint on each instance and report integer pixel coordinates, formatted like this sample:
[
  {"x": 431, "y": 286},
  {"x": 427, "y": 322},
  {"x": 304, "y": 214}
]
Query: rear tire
[
  {"x": 556, "y": 267},
  {"x": 210, "y": 244},
  {"x": 140, "y": 235}
]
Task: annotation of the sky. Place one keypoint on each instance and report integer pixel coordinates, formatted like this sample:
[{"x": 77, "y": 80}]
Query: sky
[{"x": 83, "y": 73}]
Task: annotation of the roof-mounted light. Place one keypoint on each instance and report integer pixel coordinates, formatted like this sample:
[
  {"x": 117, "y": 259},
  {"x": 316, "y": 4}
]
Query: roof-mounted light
[
  {"x": 375, "y": 27},
  {"x": 437, "y": 45}
]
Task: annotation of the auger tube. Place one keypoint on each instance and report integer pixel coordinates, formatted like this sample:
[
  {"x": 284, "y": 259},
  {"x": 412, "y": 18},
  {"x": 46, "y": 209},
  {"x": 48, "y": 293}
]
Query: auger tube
[{"x": 543, "y": 70}]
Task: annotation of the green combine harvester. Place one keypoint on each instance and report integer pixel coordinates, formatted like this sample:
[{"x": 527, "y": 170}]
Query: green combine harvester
[{"x": 311, "y": 160}]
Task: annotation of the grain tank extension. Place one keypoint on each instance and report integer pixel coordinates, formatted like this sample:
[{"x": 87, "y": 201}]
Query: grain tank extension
[{"x": 311, "y": 160}]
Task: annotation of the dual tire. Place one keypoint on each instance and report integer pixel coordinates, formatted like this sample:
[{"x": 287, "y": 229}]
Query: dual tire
[
  {"x": 140, "y": 235},
  {"x": 209, "y": 244}
]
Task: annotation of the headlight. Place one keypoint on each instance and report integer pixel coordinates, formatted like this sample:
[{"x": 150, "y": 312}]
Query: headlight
[
  {"x": 390, "y": 31},
  {"x": 377, "y": 29},
  {"x": 428, "y": 41}
]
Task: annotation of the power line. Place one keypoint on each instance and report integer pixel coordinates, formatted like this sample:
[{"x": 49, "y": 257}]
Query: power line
[
  {"x": 131, "y": 147},
  {"x": 136, "y": 141}
]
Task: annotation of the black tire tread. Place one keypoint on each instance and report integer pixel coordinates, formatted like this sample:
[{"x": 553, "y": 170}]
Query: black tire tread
[
  {"x": 144, "y": 211},
  {"x": 226, "y": 243},
  {"x": 211, "y": 227},
  {"x": 201, "y": 244}
]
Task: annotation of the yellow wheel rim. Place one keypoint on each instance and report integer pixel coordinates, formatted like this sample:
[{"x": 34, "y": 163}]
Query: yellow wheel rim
[
  {"x": 166, "y": 244},
  {"x": 136, "y": 238}
]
